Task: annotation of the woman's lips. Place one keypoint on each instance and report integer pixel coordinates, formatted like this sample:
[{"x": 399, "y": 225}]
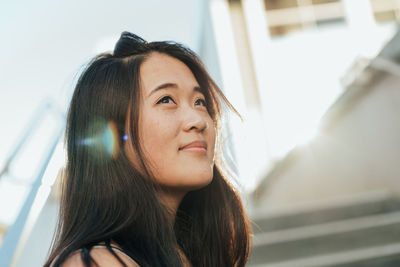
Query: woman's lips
[
  {"x": 195, "y": 149},
  {"x": 198, "y": 146}
]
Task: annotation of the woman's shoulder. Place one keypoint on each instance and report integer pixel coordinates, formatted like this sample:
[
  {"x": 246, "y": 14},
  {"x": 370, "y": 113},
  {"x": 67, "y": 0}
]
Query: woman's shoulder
[{"x": 102, "y": 256}]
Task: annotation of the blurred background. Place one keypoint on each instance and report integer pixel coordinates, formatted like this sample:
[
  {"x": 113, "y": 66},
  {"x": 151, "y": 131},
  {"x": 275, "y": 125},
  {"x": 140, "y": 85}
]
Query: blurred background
[{"x": 317, "y": 83}]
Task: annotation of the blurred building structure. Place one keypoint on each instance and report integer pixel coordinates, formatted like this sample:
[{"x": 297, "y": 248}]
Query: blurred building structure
[
  {"x": 315, "y": 156},
  {"x": 336, "y": 200}
]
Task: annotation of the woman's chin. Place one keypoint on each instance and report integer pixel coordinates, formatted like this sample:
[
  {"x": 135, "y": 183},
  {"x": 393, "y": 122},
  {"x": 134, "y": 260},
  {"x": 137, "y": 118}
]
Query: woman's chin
[
  {"x": 200, "y": 185},
  {"x": 186, "y": 185}
]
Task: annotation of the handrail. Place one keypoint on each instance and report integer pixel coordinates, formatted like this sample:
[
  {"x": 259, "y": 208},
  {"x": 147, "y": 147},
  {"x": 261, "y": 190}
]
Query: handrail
[
  {"x": 38, "y": 115},
  {"x": 13, "y": 234}
]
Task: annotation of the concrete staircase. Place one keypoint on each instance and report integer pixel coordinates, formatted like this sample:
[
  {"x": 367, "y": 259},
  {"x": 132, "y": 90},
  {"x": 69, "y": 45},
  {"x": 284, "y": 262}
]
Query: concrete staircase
[{"x": 357, "y": 231}]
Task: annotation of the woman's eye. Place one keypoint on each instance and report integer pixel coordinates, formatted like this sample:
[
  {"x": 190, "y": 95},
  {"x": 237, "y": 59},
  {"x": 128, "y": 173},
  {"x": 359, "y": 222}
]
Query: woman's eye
[
  {"x": 201, "y": 102},
  {"x": 165, "y": 100}
]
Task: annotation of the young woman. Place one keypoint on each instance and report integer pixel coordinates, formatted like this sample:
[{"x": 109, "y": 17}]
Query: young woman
[{"x": 144, "y": 184}]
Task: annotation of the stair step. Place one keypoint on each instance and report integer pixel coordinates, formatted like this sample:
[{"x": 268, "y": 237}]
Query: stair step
[
  {"x": 376, "y": 256},
  {"x": 323, "y": 212},
  {"x": 326, "y": 238}
]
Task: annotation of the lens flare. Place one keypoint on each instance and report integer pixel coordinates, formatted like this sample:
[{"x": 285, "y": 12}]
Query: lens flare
[
  {"x": 103, "y": 139},
  {"x": 110, "y": 139}
]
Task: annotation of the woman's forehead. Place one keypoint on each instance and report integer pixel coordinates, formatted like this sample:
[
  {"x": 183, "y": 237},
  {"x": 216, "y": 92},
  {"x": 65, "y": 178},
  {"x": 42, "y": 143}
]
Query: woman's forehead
[{"x": 161, "y": 70}]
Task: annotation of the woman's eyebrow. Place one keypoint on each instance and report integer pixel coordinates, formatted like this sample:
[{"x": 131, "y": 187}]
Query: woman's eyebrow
[{"x": 173, "y": 86}]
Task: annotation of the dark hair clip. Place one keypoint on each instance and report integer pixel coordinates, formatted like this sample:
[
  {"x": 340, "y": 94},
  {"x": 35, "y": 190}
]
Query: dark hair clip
[
  {"x": 132, "y": 36},
  {"x": 129, "y": 44}
]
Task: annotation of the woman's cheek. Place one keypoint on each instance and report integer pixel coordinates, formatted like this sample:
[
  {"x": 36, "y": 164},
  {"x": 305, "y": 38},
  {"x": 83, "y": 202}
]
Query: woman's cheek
[{"x": 158, "y": 132}]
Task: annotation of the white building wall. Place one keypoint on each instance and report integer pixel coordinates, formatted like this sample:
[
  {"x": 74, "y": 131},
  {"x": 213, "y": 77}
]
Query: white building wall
[{"x": 359, "y": 153}]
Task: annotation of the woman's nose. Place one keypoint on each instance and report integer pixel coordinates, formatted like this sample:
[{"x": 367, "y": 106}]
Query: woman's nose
[{"x": 193, "y": 120}]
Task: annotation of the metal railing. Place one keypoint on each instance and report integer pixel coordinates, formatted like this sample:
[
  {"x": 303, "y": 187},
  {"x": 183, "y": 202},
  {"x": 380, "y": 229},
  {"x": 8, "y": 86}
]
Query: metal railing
[{"x": 13, "y": 233}]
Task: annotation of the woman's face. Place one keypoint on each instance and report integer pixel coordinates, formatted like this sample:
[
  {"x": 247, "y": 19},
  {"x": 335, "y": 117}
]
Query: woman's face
[{"x": 176, "y": 131}]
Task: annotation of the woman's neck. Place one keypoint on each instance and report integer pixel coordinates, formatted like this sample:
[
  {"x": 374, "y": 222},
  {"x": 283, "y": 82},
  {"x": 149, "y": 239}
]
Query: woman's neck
[{"x": 172, "y": 200}]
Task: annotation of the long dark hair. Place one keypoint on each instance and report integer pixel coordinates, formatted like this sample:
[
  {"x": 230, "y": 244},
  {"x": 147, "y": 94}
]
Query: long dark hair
[{"x": 105, "y": 198}]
